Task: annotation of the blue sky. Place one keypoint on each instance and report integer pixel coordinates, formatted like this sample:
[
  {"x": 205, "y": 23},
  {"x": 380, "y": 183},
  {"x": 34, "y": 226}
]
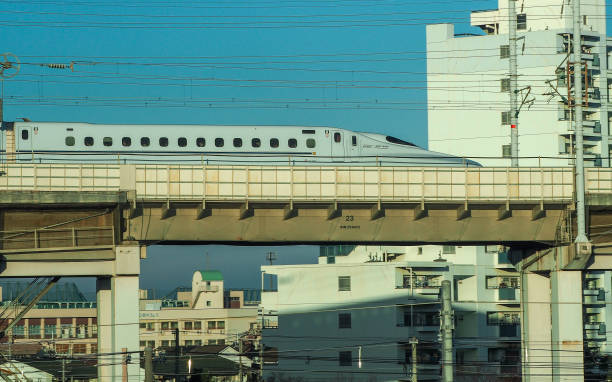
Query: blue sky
[{"x": 354, "y": 64}]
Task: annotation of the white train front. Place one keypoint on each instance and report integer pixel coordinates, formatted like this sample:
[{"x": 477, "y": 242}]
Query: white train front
[{"x": 45, "y": 142}]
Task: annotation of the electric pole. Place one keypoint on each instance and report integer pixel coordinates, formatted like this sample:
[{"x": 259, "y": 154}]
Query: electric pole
[
  {"x": 240, "y": 356},
  {"x": 513, "y": 83},
  {"x": 148, "y": 364},
  {"x": 578, "y": 99},
  {"x": 176, "y": 354},
  {"x": 413, "y": 342},
  {"x": 446, "y": 329}
]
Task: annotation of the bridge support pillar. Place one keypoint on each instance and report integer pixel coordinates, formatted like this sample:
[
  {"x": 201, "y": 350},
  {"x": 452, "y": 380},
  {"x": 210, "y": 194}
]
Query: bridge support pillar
[
  {"x": 567, "y": 329},
  {"x": 536, "y": 327},
  {"x": 552, "y": 329},
  {"x": 118, "y": 328}
]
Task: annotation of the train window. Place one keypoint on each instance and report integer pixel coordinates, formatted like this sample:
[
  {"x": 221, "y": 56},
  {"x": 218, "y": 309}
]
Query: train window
[
  {"x": 182, "y": 142},
  {"x": 337, "y": 137},
  {"x": 200, "y": 142},
  {"x": 88, "y": 141},
  {"x": 308, "y": 131},
  {"x": 237, "y": 142},
  {"x": 292, "y": 143},
  {"x": 219, "y": 142},
  {"x": 69, "y": 141},
  {"x": 126, "y": 141},
  {"x": 354, "y": 140},
  {"x": 256, "y": 142},
  {"x": 24, "y": 135},
  {"x": 274, "y": 142},
  {"x": 311, "y": 143},
  {"x": 145, "y": 141},
  {"x": 163, "y": 142}
]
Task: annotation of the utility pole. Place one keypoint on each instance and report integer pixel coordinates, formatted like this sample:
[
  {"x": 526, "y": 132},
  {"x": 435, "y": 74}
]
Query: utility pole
[
  {"x": 413, "y": 342},
  {"x": 271, "y": 256},
  {"x": 176, "y": 354},
  {"x": 240, "y": 356},
  {"x": 124, "y": 369},
  {"x": 513, "y": 84},
  {"x": 64, "y": 369},
  {"x": 581, "y": 237},
  {"x": 148, "y": 364},
  {"x": 446, "y": 329}
]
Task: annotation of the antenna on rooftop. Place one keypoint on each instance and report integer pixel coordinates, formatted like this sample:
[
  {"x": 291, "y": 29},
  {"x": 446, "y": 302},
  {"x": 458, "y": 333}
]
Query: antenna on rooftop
[{"x": 271, "y": 256}]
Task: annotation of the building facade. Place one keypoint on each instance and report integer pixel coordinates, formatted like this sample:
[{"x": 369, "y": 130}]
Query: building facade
[
  {"x": 206, "y": 314},
  {"x": 351, "y": 317},
  {"x": 468, "y": 85}
]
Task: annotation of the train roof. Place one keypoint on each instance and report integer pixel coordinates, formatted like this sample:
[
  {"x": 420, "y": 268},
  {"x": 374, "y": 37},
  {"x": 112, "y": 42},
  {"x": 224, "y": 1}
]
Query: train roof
[{"x": 88, "y": 124}]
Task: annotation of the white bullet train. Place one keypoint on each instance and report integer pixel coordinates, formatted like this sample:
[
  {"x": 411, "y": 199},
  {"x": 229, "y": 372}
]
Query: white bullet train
[{"x": 53, "y": 142}]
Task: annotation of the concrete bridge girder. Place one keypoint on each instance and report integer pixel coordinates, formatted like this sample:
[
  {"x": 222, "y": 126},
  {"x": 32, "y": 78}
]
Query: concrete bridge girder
[{"x": 308, "y": 221}]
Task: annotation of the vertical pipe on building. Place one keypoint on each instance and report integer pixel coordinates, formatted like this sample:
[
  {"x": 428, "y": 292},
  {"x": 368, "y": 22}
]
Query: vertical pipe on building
[
  {"x": 580, "y": 205},
  {"x": 513, "y": 83},
  {"x": 447, "y": 332}
]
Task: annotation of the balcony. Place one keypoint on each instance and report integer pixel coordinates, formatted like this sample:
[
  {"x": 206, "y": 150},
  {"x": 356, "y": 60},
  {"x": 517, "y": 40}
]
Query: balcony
[
  {"x": 508, "y": 330},
  {"x": 209, "y": 288},
  {"x": 506, "y": 294}
]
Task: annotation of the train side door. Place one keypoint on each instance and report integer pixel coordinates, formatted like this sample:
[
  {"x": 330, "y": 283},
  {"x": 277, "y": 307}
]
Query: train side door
[
  {"x": 354, "y": 147},
  {"x": 24, "y": 143},
  {"x": 338, "y": 148}
]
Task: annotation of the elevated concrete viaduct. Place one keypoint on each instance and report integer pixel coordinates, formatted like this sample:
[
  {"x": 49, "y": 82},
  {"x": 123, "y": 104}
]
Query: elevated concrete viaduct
[{"x": 96, "y": 220}]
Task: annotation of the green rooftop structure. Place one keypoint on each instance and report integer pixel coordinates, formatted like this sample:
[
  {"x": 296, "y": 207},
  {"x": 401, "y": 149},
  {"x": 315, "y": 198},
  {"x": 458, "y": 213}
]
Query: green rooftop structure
[{"x": 211, "y": 275}]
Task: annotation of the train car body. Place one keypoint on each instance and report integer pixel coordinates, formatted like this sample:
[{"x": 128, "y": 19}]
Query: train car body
[{"x": 53, "y": 142}]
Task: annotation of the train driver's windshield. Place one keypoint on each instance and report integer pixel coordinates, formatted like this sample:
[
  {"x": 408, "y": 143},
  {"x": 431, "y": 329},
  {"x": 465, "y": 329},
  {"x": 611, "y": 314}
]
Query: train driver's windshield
[{"x": 399, "y": 141}]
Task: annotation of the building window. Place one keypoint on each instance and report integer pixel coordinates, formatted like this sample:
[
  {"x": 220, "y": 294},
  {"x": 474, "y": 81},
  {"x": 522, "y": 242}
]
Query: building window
[
  {"x": 220, "y": 324},
  {"x": 505, "y": 117},
  {"x": 143, "y": 344},
  {"x": 126, "y": 141},
  {"x": 237, "y": 142},
  {"x": 107, "y": 141},
  {"x": 448, "y": 249},
  {"x": 165, "y": 343},
  {"x": 212, "y": 342},
  {"x": 163, "y": 142},
  {"x": 69, "y": 141},
  {"x": 197, "y": 325},
  {"x": 503, "y": 318},
  {"x": 344, "y": 320},
  {"x": 256, "y": 142},
  {"x": 50, "y": 330},
  {"x": 88, "y": 141},
  {"x": 311, "y": 143},
  {"x": 504, "y": 51},
  {"x": 219, "y": 142},
  {"x": 521, "y": 22},
  {"x": 24, "y": 134},
  {"x": 506, "y": 151},
  {"x": 345, "y": 358},
  {"x": 274, "y": 143},
  {"x": 505, "y": 85},
  {"x": 151, "y": 344},
  {"x": 344, "y": 283},
  {"x": 182, "y": 142},
  {"x": 145, "y": 142},
  {"x": 188, "y": 325},
  {"x": 208, "y": 303},
  {"x": 292, "y": 143},
  {"x": 200, "y": 142}
]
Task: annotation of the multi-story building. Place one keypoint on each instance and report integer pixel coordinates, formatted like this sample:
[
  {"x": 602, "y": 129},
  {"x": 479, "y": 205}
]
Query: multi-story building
[
  {"x": 468, "y": 85},
  {"x": 63, "y": 322},
  {"x": 351, "y": 316},
  {"x": 206, "y": 314}
]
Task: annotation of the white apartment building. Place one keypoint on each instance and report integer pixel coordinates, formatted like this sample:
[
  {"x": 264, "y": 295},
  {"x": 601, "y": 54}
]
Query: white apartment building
[
  {"x": 468, "y": 85},
  {"x": 350, "y": 317},
  {"x": 200, "y": 314}
]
